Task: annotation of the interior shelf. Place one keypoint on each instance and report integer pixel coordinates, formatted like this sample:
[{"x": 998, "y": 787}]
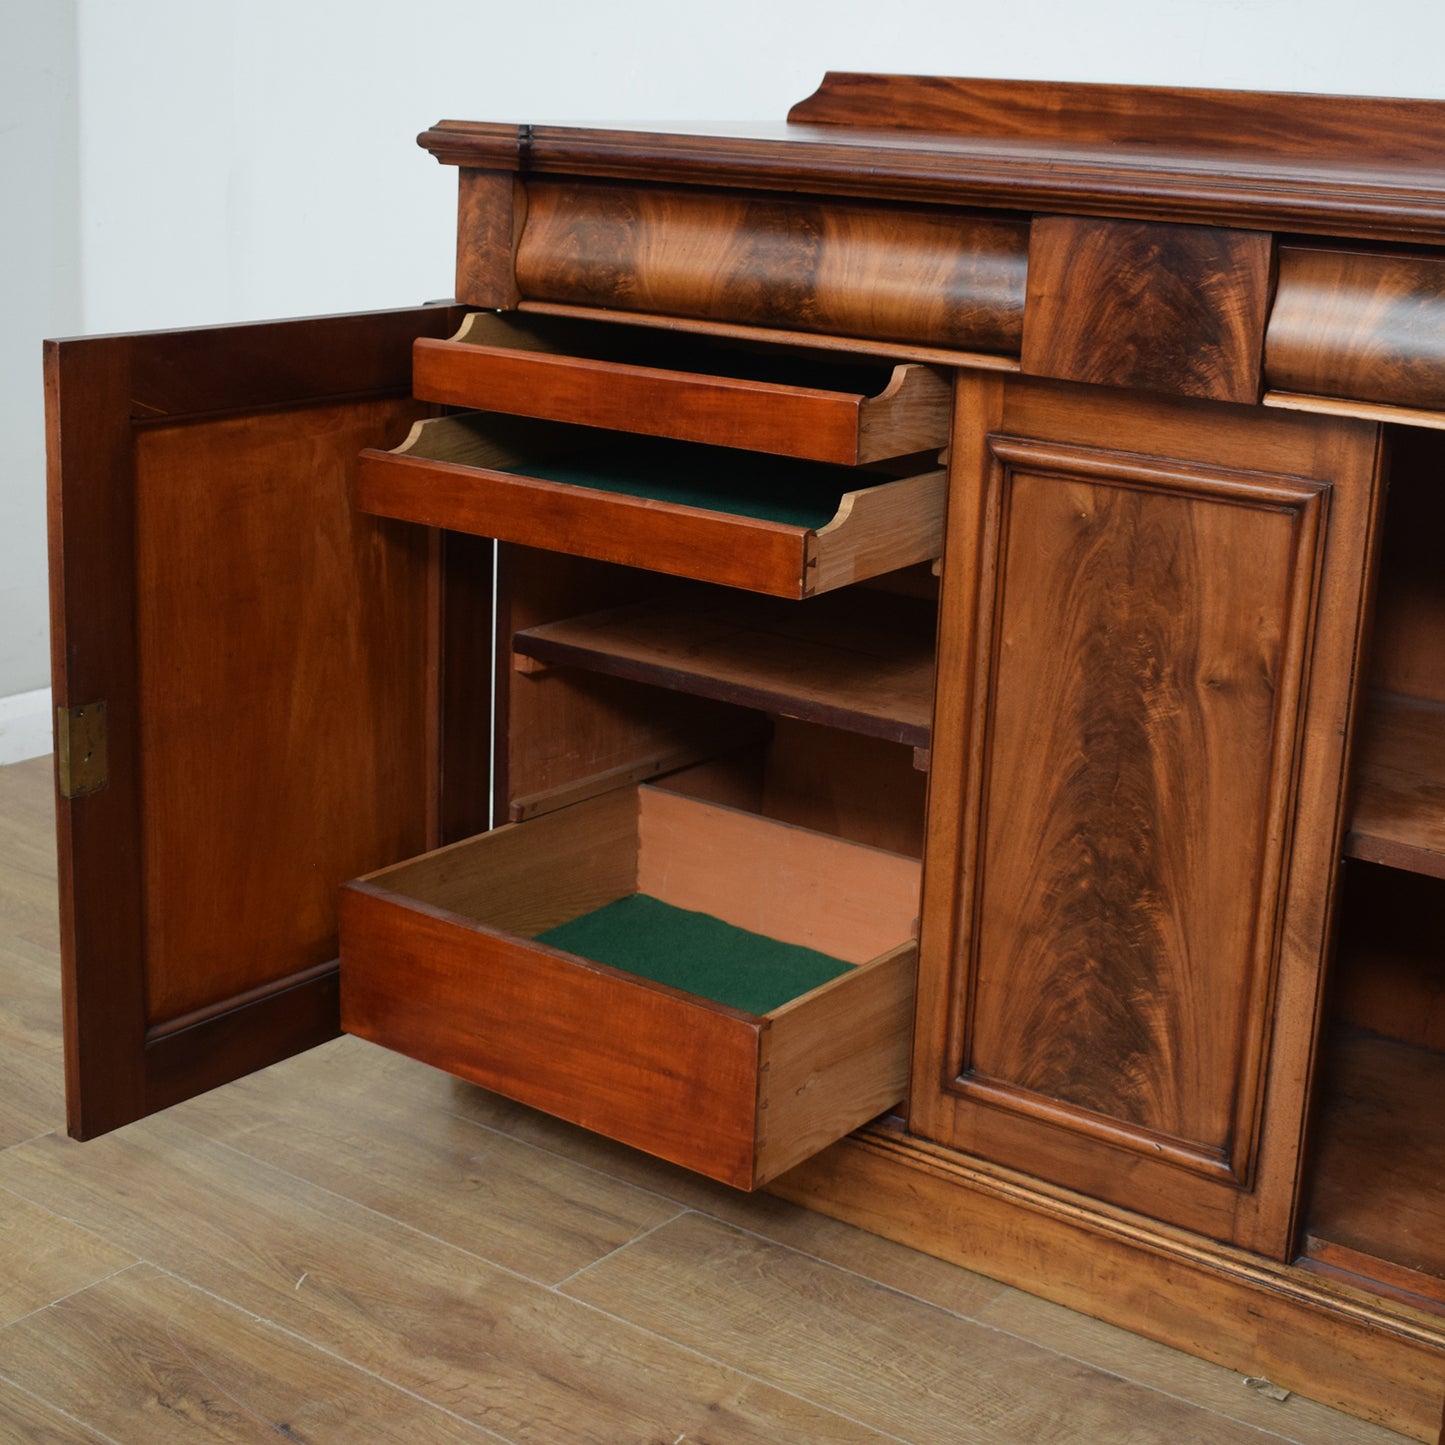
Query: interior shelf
[
  {"x": 1399, "y": 810},
  {"x": 1378, "y": 1209},
  {"x": 859, "y": 661}
]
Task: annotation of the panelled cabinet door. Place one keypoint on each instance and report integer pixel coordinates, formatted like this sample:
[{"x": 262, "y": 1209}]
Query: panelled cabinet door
[
  {"x": 244, "y": 672},
  {"x": 1152, "y": 612}
]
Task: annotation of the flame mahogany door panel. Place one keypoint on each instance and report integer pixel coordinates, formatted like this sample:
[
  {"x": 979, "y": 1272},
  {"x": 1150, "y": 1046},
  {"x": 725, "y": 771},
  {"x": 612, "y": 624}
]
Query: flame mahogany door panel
[{"x": 1152, "y": 612}]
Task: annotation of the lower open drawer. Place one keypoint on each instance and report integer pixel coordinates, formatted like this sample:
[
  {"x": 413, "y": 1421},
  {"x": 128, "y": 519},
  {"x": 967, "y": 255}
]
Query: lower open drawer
[{"x": 441, "y": 961}]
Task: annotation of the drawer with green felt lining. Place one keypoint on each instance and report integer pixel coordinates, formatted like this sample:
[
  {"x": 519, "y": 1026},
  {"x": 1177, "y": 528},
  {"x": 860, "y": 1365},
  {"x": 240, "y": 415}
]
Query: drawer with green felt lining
[
  {"x": 742, "y": 519},
  {"x": 723, "y": 990}
]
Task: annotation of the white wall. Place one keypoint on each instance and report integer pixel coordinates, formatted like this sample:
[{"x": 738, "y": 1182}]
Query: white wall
[
  {"x": 249, "y": 160},
  {"x": 39, "y": 296},
  {"x": 240, "y": 161}
]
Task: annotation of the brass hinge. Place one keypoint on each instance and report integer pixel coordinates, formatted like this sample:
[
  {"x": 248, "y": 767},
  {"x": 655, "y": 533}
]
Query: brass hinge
[{"x": 80, "y": 749}]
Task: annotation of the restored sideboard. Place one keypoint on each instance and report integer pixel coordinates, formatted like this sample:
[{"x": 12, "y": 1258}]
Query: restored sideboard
[{"x": 987, "y": 534}]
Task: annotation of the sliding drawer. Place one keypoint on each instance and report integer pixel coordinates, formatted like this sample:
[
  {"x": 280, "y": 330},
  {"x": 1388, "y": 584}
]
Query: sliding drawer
[
  {"x": 741, "y": 519},
  {"x": 816, "y": 405},
  {"x": 807, "y": 935}
]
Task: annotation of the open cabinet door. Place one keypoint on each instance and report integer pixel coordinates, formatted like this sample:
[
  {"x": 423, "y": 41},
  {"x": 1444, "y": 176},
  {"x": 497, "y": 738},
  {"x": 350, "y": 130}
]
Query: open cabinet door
[{"x": 247, "y": 683}]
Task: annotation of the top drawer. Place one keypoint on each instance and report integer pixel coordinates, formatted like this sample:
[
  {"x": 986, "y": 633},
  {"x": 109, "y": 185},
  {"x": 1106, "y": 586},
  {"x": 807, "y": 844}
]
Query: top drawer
[
  {"x": 817, "y": 406},
  {"x": 934, "y": 276}
]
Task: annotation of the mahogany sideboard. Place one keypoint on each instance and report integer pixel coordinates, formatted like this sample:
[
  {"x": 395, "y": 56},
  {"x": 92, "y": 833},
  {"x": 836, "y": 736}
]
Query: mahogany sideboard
[{"x": 985, "y": 533}]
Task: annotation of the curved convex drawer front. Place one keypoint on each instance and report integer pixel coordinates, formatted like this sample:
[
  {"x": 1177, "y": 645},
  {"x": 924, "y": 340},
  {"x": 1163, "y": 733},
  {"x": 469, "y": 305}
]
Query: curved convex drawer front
[
  {"x": 930, "y": 275},
  {"x": 817, "y": 405},
  {"x": 1359, "y": 325},
  {"x": 740, "y": 519}
]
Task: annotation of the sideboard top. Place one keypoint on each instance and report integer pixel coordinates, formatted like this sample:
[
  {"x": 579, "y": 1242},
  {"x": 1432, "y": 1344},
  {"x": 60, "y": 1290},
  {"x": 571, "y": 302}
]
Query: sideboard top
[{"x": 1363, "y": 167}]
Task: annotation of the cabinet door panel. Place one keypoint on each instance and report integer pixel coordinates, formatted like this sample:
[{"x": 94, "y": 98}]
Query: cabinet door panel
[
  {"x": 1148, "y": 650},
  {"x": 267, "y": 661}
]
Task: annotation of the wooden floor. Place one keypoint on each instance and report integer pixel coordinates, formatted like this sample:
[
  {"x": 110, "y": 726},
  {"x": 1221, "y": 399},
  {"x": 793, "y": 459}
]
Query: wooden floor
[{"x": 352, "y": 1247}]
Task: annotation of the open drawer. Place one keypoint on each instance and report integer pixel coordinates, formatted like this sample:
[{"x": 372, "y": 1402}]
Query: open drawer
[
  {"x": 816, "y": 405},
  {"x": 441, "y": 960},
  {"x": 741, "y": 519}
]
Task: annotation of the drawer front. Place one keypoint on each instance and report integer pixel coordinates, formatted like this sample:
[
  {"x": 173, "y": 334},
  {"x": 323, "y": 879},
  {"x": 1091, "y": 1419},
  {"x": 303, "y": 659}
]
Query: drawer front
[
  {"x": 438, "y": 962},
  {"x": 928, "y": 275},
  {"x": 657, "y": 505},
  {"x": 818, "y": 406}
]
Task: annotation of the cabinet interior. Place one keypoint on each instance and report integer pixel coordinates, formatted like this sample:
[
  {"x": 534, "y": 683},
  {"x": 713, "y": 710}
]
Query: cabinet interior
[{"x": 1374, "y": 1207}]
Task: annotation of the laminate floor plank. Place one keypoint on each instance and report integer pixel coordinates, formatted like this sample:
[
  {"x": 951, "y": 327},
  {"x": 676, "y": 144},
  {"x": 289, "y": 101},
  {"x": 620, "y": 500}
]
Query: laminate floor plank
[
  {"x": 146, "y": 1359},
  {"x": 913, "y": 1370},
  {"x": 483, "y": 1343},
  {"x": 311, "y": 1251},
  {"x": 27, "y": 846},
  {"x": 959, "y": 1290},
  {"x": 24, "y": 1418},
  {"x": 32, "y": 1094},
  {"x": 43, "y": 1258},
  {"x": 1212, "y": 1387},
  {"x": 32, "y": 1078},
  {"x": 373, "y": 1126}
]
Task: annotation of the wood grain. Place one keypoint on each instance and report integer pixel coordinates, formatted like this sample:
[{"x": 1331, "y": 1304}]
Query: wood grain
[
  {"x": 285, "y": 1116},
  {"x": 503, "y": 1353},
  {"x": 43, "y": 1258},
  {"x": 1241, "y": 121},
  {"x": 788, "y": 1318},
  {"x": 1377, "y": 1204},
  {"x": 1365, "y": 325},
  {"x": 323, "y": 698},
  {"x": 788, "y": 403},
  {"x": 836, "y": 1056},
  {"x": 1177, "y": 976},
  {"x": 32, "y": 1080},
  {"x": 1398, "y": 815},
  {"x": 1377, "y": 1359},
  {"x": 447, "y": 474},
  {"x": 36, "y": 1423},
  {"x": 128, "y": 418},
  {"x": 891, "y": 274},
  {"x": 1120, "y": 965},
  {"x": 850, "y": 786},
  {"x": 1331, "y": 165},
  {"x": 1176, "y": 309},
  {"x": 436, "y": 965},
  {"x": 615, "y": 732},
  {"x": 847, "y": 661},
  {"x": 805, "y": 888},
  {"x": 145, "y": 1347},
  {"x": 383, "y": 1131},
  {"x": 1184, "y": 1376},
  {"x": 491, "y": 210}
]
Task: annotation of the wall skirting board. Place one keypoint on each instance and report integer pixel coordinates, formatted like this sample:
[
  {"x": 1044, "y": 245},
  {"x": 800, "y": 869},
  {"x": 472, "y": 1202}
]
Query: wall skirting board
[{"x": 26, "y": 729}]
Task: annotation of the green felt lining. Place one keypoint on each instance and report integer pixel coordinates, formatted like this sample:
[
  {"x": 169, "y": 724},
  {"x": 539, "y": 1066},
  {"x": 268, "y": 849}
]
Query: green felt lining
[
  {"x": 695, "y": 952},
  {"x": 717, "y": 479}
]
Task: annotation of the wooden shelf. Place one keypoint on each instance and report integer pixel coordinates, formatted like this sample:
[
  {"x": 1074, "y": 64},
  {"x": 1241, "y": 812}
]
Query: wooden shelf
[
  {"x": 1399, "y": 811},
  {"x": 1378, "y": 1209},
  {"x": 860, "y": 662}
]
